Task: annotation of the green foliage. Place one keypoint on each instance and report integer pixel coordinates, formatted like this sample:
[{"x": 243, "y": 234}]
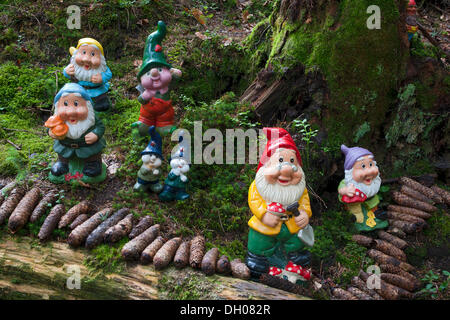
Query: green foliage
[
  {"x": 105, "y": 258},
  {"x": 435, "y": 285},
  {"x": 361, "y": 132},
  {"x": 353, "y": 258},
  {"x": 307, "y": 132},
  {"x": 333, "y": 233}
]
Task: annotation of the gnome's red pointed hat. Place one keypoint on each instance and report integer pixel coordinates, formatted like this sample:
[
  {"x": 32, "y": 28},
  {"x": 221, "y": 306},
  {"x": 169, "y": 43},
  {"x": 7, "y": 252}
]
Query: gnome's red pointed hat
[{"x": 277, "y": 138}]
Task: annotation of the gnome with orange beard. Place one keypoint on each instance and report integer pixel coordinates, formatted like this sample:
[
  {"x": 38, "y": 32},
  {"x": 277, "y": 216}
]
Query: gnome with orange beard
[{"x": 279, "y": 201}]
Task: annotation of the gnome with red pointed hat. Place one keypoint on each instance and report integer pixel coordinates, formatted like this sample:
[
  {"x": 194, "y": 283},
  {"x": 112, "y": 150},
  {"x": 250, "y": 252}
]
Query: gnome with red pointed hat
[{"x": 279, "y": 186}]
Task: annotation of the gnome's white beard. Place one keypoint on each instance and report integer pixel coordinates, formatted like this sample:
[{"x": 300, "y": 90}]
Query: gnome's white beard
[
  {"x": 285, "y": 195},
  {"x": 77, "y": 130},
  {"x": 179, "y": 168},
  {"x": 368, "y": 190},
  {"x": 86, "y": 75}
]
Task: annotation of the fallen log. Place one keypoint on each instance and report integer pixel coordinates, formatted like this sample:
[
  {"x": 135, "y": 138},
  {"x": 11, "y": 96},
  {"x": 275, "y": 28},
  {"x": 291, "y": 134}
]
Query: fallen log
[
  {"x": 407, "y": 201},
  {"x": 399, "y": 243},
  {"x": 10, "y": 204},
  {"x": 132, "y": 250},
  {"x": 81, "y": 208},
  {"x": 80, "y": 233},
  {"x": 444, "y": 194},
  {"x": 411, "y": 211},
  {"x": 42, "y": 273},
  {"x": 47, "y": 201},
  {"x": 382, "y": 258},
  {"x": 421, "y": 189},
  {"x": 23, "y": 210},
  {"x": 51, "y": 222}
]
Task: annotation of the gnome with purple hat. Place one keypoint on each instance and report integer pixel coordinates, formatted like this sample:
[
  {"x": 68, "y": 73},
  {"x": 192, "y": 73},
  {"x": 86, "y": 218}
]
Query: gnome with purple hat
[{"x": 358, "y": 191}]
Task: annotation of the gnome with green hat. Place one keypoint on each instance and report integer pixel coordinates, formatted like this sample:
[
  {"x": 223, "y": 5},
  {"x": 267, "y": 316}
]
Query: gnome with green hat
[{"x": 155, "y": 77}]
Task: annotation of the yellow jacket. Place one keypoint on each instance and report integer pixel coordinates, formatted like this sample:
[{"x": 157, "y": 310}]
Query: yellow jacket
[{"x": 258, "y": 207}]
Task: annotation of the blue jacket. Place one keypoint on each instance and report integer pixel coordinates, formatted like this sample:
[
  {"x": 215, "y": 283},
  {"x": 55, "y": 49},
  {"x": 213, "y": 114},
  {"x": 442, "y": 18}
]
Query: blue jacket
[{"x": 95, "y": 89}]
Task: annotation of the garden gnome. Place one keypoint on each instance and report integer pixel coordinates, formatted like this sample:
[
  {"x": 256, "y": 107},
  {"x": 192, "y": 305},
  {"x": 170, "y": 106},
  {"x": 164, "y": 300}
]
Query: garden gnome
[
  {"x": 88, "y": 68},
  {"x": 78, "y": 137},
  {"x": 176, "y": 182},
  {"x": 360, "y": 187},
  {"x": 279, "y": 201},
  {"x": 154, "y": 77},
  {"x": 149, "y": 173},
  {"x": 411, "y": 19}
]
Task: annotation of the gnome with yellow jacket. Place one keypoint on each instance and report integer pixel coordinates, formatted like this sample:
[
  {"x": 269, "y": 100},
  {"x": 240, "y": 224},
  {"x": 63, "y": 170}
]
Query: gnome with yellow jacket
[{"x": 279, "y": 201}]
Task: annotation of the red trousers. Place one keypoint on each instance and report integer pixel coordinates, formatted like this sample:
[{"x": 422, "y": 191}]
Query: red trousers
[{"x": 157, "y": 112}]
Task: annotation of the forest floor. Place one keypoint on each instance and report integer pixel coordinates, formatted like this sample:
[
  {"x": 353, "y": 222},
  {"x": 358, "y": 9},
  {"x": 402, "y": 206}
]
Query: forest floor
[{"x": 207, "y": 41}]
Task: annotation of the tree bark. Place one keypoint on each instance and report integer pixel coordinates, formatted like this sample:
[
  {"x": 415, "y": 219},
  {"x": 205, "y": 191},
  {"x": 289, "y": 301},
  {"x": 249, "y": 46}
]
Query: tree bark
[{"x": 30, "y": 272}]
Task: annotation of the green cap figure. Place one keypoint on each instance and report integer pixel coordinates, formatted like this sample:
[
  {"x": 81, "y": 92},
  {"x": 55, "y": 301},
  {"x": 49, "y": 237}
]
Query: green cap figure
[
  {"x": 153, "y": 52},
  {"x": 155, "y": 76}
]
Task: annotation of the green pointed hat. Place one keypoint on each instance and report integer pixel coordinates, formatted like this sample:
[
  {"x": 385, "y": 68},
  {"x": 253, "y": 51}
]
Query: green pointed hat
[{"x": 153, "y": 53}]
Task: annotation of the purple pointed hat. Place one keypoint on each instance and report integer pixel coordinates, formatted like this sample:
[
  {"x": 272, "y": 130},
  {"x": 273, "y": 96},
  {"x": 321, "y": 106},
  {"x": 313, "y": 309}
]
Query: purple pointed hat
[{"x": 352, "y": 154}]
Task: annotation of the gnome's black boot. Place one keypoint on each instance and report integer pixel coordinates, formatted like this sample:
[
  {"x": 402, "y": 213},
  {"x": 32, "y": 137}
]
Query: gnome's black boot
[
  {"x": 101, "y": 103},
  {"x": 59, "y": 168},
  {"x": 92, "y": 168},
  {"x": 300, "y": 258},
  {"x": 257, "y": 264}
]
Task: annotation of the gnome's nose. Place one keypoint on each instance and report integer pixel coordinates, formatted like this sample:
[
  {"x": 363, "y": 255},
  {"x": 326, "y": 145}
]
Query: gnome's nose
[{"x": 154, "y": 72}]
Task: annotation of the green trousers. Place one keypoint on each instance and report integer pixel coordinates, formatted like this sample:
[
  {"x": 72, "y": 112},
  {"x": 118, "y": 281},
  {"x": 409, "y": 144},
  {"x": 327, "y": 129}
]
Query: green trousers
[{"x": 264, "y": 245}]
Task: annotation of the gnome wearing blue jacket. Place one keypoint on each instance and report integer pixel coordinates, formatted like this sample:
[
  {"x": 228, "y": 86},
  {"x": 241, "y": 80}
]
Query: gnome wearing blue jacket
[{"x": 149, "y": 173}]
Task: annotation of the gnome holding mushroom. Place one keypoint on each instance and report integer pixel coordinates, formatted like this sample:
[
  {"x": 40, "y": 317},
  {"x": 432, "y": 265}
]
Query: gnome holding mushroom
[
  {"x": 149, "y": 173},
  {"x": 155, "y": 76},
  {"x": 279, "y": 201},
  {"x": 78, "y": 135},
  {"x": 88, "y": 68},
  {"x": 358, "y": 191}
]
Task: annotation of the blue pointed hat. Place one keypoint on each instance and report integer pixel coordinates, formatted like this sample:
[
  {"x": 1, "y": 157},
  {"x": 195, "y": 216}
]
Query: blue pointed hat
[
  {"x": 155, "y": 144},
  {"x": 72, "y": 88}
]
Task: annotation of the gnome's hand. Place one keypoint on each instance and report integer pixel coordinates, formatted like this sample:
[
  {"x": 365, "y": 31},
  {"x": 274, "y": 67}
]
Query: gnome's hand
[
  {"x": 175, "y": 72},
  {"x": 302, "y": 219},
  {"x": 270, "y": 220},
  {"x": 52, "y": 135},
  {"x": 70, "y": 70},
  {"x": 90, "y": 138},
  {"x": 348, "y": 190},
  {"x": 97, "y": 78}
]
